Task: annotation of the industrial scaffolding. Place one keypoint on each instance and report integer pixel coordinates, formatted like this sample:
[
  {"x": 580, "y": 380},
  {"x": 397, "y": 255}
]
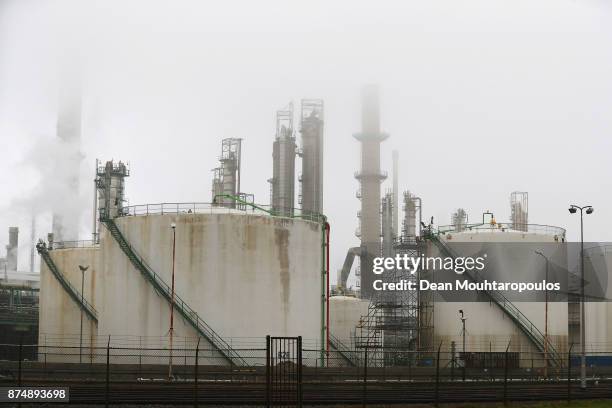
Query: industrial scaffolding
[
  {"x": 519, "y": 210},
  {"x": 399, "y": 324},
  {"x": 226, "y": 177}
]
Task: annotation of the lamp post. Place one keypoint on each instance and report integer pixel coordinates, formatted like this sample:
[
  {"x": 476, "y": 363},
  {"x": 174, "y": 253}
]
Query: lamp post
[
  {"x": 83, "y": 269},
  {"x": 171, "y": 332},
  {"x": 545, "y": 316},
  {"x": 589, "y": 210},
  {"x": 463, "y": 319}
]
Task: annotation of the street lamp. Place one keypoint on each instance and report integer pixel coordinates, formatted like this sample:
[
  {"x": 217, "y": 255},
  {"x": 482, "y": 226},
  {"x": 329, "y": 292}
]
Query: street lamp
[
  {"x": 589, "y": 210},
  {"x": 173, "y": 226},
  {"x": 463, "y": 319},
  {"x": 545, "y": 316},
  {"x": 83, "y": 269}
]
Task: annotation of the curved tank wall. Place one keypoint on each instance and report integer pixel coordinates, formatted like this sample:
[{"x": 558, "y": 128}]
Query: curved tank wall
[
  {"x": 60, "y": 316},
  {"x": 345, "y": 313},
  {"x": 245, "y": 275},
  {"x": 488, "y": 328}
]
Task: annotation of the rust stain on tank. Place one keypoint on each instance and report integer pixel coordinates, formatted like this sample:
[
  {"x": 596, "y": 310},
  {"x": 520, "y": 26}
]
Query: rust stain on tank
[
  {"x": 251, "y": 237},
  {"x": 281, "y": 239}
]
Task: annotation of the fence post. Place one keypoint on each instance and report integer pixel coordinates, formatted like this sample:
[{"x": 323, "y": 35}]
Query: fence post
[
  {"x": 20, "y": 357},
  {"x": 365, "y": 378},
  {"x": 268, "y": 373},
  {"x": 569, "y": 373},
  {"x": 437, "y": 390},
  {"x": 107, "y": 370},
  {"x": 299, "y": 373},
  {"x": 506, "y": 375},
  {"x": 195, "y": 375}
]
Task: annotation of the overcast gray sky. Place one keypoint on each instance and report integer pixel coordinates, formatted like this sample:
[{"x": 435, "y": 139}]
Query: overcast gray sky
[{"x": 481, "y": 98}]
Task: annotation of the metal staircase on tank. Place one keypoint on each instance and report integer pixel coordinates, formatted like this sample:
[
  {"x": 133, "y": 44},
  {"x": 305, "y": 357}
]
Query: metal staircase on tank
[
  {"x": 190, "y": 315},
  {"x": 524, "y": 324},
  {"x": 78, "y": 298},
  {"x": 349, "y": 355}
]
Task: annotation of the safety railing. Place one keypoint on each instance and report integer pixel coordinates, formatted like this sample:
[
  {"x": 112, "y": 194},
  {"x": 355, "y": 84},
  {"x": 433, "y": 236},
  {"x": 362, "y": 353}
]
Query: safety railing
[
  {"x": 505, "y": 227},
  {"x": 216, "y": 208},
  {"x": 74, "y": 244},
  {"x": 68, "y": 287}
]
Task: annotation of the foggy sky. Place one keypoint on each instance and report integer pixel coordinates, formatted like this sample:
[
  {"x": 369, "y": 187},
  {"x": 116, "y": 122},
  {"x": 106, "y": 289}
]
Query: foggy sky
[{"x": 481, "y": 98}]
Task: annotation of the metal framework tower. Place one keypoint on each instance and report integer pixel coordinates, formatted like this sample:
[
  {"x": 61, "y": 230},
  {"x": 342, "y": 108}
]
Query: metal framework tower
[
  {"x": 226, "y": 177},
  {"x": 398, "y": 323},
  {"x": 459, "y": 219},
  {"x": 370, "y": 176},
  {"x": 311, "y": 187},
  {"x": 282, "y": 183},
  {"x": 519, "y": 210},
  {"x": 110, "y": 187}
]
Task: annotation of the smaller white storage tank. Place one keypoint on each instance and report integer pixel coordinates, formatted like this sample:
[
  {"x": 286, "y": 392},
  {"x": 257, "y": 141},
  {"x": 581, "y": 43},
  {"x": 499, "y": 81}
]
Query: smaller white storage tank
[{"x": 488, "y": 327}]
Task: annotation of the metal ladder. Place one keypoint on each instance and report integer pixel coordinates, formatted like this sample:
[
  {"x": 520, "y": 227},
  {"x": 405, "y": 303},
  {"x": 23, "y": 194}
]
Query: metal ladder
[
  {"x": 523, "y": 323},
  {"x": 78, "y": 298},
  {"x": 190, "y": 315}
]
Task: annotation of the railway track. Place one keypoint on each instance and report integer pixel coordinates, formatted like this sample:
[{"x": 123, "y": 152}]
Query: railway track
[{"x": 343, "y": 392}]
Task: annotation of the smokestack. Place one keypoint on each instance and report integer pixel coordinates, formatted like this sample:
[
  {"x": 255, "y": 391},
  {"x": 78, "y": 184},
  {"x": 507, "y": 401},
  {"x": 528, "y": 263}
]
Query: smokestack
[
  {"x": 12, "y": 249},
  {"x": 66, "y": 217},
  {"x": 370, "y": 178}
]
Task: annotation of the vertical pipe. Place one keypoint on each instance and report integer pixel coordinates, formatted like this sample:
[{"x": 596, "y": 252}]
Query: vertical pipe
[
  {"x": 582, "y": 310},
  {"x": 173, "y": 225},
  {"x": 94, "y": 226},
  {"x": 327, "y": 230},
  {"x": 323, "y": 292}
]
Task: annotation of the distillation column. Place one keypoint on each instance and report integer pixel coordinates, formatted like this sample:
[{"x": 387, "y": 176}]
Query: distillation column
[
  {"x": 370, "y": 178},
  {"x": 110, "y": 185},
  {"x": 282, "y": 182},
  {"x": 311, "y": 195}
]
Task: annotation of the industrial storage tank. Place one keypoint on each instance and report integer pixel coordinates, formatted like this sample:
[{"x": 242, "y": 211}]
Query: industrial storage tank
[
  {"x": 489, "y": 328},
  {"x": 239, "y": 273}
]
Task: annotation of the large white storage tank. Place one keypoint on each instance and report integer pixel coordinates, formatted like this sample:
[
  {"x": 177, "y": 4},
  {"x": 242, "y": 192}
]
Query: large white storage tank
[
  {"x": 246, "y": 274},
  {"x": 488, "y": 327}
]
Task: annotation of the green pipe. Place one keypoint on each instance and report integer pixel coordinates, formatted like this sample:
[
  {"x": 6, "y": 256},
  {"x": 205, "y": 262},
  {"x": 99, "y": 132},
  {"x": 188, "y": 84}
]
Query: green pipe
[{"x": 323, "y": 293}]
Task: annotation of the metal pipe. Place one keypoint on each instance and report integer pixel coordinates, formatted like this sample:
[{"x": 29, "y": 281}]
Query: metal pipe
[
  {"x": 173, "y": 226},
  {"x": 327, "y": 230}
]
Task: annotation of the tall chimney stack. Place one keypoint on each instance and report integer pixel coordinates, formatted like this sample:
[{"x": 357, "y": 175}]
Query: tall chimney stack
[{"x": 370, "y": 178}]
